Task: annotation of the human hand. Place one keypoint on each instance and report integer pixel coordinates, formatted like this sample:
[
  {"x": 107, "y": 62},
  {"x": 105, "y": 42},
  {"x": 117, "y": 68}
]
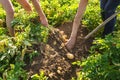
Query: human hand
[
  {"x": 44, "y": 21},
  {"x": 70, "y": 43}
]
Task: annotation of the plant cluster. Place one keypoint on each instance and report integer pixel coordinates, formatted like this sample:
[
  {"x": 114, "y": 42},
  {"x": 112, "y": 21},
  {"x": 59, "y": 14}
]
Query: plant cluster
[
  {"x": 102, "y": 64},
  {"x": 41, "y": 76},
  {"x": 59, "y": 11},
  {"x": 104, "y": 61},
  {"x": 92, "y": 16},
  {"x": 29, "y": 32}
]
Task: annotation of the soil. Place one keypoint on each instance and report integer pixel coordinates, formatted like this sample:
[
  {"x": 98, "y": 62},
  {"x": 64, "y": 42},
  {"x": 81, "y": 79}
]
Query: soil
[{"x": 53, "y": 60}]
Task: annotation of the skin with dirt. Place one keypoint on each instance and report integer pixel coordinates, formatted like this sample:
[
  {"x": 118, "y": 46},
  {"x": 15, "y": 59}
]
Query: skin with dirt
[{"x": 53, "y": 60}]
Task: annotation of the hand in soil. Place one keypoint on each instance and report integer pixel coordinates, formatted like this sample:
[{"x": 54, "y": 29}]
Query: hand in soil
[
  {"x": 44, "y": 21},
  {"x": 70, "y": 43}
]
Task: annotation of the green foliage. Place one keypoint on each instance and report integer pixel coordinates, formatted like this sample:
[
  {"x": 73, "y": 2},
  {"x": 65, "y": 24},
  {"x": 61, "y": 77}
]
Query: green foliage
[
  {"x": 2, "y": 13},
  {"x": 10, "y": 54},
  {"x": 31, "y": 25},
  {"x": 15, "y": 72},
  {"x": 59, "y": 11},
  {"x": 16, "y": 5},
  {"x": 2, "y": 19},
  {"x": 104, "y": 62},
  {"x": 118, "y": 19},
  {"x": 41, "y": 76},
  {"x": 117, "y": 26},
  {"x": 13, "y": 49},
  {"x": 2, "y": 31},
  {"x": 92, "y": 16}
]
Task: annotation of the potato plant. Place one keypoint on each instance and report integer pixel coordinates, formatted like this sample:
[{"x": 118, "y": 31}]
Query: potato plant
[
  {"x": 103, "y": 62},
  {"x": 14, "y": 49},
  {"x": 92, "y": 16},
  {"x": 59, "y": 11},
  {"x": 41, "y": 76}
]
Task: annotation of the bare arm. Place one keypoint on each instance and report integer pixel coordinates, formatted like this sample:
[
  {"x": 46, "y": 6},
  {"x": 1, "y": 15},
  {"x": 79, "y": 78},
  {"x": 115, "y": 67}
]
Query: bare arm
[
  {"x": 25, "y": 4},
  {"x": 40, "y": 12},
  {"x": 38, "y": 7},
  {"x": 8, "y": 7},
  {"x": 78, "y": 17}
]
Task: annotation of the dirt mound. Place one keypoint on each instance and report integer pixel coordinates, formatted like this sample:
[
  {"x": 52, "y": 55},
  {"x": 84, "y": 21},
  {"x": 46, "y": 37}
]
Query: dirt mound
[{"x": 53, "y": 60}]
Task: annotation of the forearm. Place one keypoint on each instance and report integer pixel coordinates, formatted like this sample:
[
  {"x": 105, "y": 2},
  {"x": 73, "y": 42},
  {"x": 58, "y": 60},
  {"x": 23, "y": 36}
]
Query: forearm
[
  {"x": 80, "y": 11},
  {"x": 78, "y": 17},
  {"x": 25, "y": 4},
  {"x": 38, "y": 7}
]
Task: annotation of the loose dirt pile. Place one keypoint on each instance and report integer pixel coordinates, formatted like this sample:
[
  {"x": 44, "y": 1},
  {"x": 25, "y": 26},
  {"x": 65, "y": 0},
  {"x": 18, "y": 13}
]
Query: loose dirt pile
[{"x": 53, "y": 60}]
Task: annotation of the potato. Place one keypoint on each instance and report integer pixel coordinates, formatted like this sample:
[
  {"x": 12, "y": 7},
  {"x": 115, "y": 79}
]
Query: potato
[
  {"x": 54, "y": 43},
  {"x": 58, "y": 71},
  {"x": 64, "y": 36},
  {"x": 70, "y": 56},
  {"x": 59, "y": 68},
  {"x": 1, "y": 21},
  {"x": 61, "y": 32}
]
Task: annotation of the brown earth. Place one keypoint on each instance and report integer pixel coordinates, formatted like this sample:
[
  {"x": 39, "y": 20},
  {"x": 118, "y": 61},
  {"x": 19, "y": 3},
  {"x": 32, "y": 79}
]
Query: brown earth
[{"x": 53, "y": 60}]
